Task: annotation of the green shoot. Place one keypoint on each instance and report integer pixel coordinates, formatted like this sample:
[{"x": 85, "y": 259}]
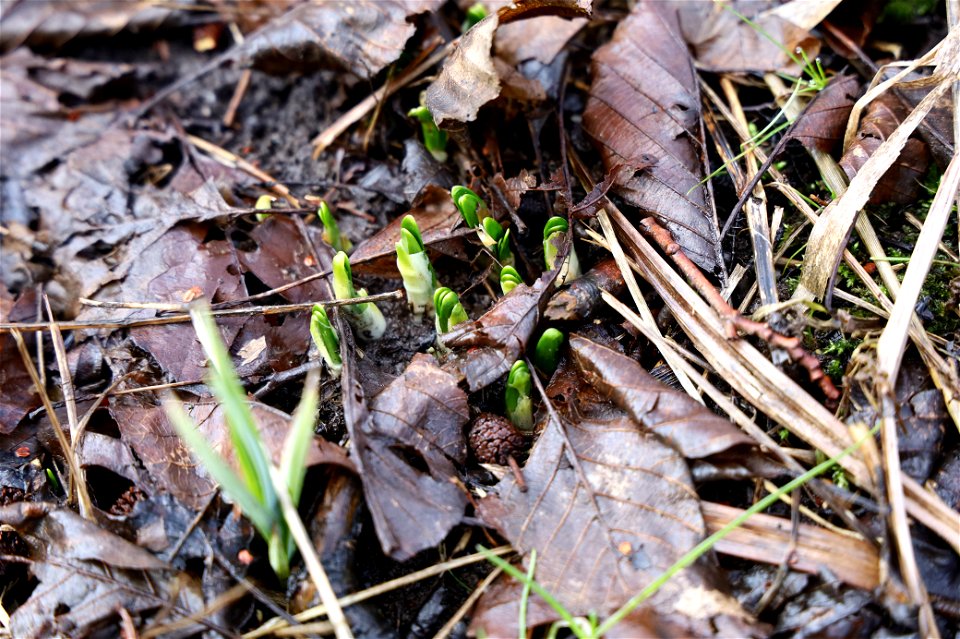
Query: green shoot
[
  {"x": 554, "y": 230},
  {"x": 547, "y": 354},
  {"x": 517, "y": 398},
  {"x": 331, "y": 232},
  {"x": 365, "y": 317},
  {"x": 525, "y": 596},
  {"x": 253, "y": 489},
  {"x": 471, "y": 207},
  {"x": 449, "y": 310},
  {"x": 434, "y": 139},
  {"x": 497, "y": 240},
  {"x": 326, "y": 339},
  {"x": 413, "y": 262},
  {"x": 509, "y": 279},
  {"x": 475, "y": 14},
  {"x": 264, "y": 202}
]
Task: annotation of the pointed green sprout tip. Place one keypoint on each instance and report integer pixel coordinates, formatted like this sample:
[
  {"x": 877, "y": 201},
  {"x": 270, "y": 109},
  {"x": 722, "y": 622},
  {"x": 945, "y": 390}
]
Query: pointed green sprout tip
[
  {"x": 475, "y": 14},
  {"x": 471, "y": 207},
  {"x": 497, "y": 240},
  {"x": 509, "y": 279},
  {"x": 263, "y": 202},
  {"x": 365, "y": 317},
  {"x": 326, "y": 339},
  {"x": 517, "y": 398},
  {"x": 547, "y": 354},
  {"x": 434, "y": 139},
  {"x": 413, "y": 262},
  {"x": 331, "y": 232},
  {"x": 555, "y": 228},
  {"x": 449, "y": 310},
  {"x": 503, "y": 253}
]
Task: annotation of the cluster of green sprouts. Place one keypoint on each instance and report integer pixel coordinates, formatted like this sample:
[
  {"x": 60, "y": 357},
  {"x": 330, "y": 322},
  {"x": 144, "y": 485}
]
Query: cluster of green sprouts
[
  {"x": 448, "y": 310},
  {"x": 553, "y": 231},
  {"x": 365, "y": 317},
  {"x": 326, "y": 339},
  {"x": 518, "y": 401},
  {"x": 477, "y": 216},
  {"x": 254, "y": 488},
  {"x": 413, "y": 262}
]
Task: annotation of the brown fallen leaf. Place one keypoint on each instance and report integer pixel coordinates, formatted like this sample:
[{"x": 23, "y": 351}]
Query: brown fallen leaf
[
  {"x": 19, "y": 396},
  {"x": 678, "y": 418},
  {"x": 902, "y": 181},
  {"x": 282, "y": 255},
  {"x": 539, "y": 39},
  {"x": 437, "y": 218},
  {"x": 361, "y": 36},
  {"x": 168, "y": 462},
  {"x": 606, "y": 516},
  {"x": 407, "y": 444},
  {"x": 87, "y": 574},
  {"x": 498, "y": 338},
  {"x": 722, "y": 41},
  {"x": 644, "y": 107},
  {"x": 824, "y": 121}
]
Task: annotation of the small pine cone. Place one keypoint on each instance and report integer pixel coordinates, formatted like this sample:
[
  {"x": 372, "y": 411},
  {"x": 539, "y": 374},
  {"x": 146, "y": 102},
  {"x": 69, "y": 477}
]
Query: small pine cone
[{"x": 493, "y": 439}]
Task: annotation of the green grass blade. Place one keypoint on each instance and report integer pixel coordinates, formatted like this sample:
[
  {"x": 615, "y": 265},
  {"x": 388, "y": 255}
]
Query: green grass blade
[
  {"x": 525, "y": 597},
  {"x": 293, "y": 462},
  {"x": 708, "y": 543},
  {"x": 251, "y": 455},
  {"x": 262, "y": 518}
]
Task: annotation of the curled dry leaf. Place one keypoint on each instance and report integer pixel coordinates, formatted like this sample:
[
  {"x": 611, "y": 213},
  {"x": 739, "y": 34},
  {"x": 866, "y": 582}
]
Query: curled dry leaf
[
  {"x": 499, "y": 337},
  {"x": 87, "y": 574},
  {"x": 644, "y": 107},
  {"x": 407, "y": 446},
  {"x": 468, "y": 79},
  {"x": 361, "y": 36},
  {"x": 608, "y": 521}
]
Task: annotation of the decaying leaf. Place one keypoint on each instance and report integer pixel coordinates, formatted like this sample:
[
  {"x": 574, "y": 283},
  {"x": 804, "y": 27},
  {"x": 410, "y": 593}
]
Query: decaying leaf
[
  {"x": 499, "y": 337},
  {"x": 468, "y": 79},
  {"x": 607, "y": 516},
  {"x": 168, "y": 462},
  {"x": 901, "y": 183},
  {"x": 87, "y": 574},
  {"x": 18, "y": 396},
  {"x": 407, "y": 445},
  {"x": 437, "y": 218},
  {"x": 824, "y": 120},
  {"x": 539, "y": 39},
  {"x": 722, "y": 41},
  {"x": 644, "y": 107},
  {"x": 361, "y": 36}
]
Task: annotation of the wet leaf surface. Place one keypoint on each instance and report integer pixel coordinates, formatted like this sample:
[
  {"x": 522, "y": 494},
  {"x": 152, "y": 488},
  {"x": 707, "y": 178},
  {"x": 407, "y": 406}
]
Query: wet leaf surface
[
  {"x": 86, "y": 573},
  {"x": 362, "y": 37},
  {"x": 18, "y": 397},
  {"x": 407, "y": 443},
  {"x": 644, "y": 108},
  {"x": 496, "y": 340},
  {"x": 825, "y": 119},
  {"x": 608, "y": 521}
]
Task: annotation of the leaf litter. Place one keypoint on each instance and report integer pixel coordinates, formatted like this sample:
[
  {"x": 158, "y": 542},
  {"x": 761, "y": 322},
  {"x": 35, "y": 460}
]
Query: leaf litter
[{"x": 624, "y": 474}]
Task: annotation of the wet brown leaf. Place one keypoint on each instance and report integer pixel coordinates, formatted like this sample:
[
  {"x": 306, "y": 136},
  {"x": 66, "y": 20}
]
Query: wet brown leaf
[
  {"x": 361, "y": 36},
  {"x": 721, "y": 41},
  {"x": 695, "y": 431},
  {"x": 407, "y": 446},
  {"x": 498, "y": 338},
  {"x": 602, "y": 535},
  {"x": 54, "y": 23},
  {"x": 86, "y": 574},
  {"x": 539, "y": 39},
  {"x": 901, "y": 183},
  {"x": 824, "y": 121},
  {"x": 437, "y": 218},
  {"x": 644, "y": 107},
  {"x": 18, "y": 396},
  {"x": 282, "y": 255}
]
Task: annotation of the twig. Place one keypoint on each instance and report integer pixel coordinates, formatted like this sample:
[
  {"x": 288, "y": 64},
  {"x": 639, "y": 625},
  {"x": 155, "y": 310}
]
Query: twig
[
  {"x": 461, "y": 612},
  {"x": 235, "y": 161},
  {"x": 734, "y": 321},
  {"x": 278, "y": 309},
  {"x": 237, "y": 97}
]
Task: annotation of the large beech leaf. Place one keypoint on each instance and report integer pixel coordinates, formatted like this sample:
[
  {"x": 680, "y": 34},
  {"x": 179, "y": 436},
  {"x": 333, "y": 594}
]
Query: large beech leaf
[
  {"x": 361, "y": 36},
  {"x": 824, "y": 120},
  {"x": 498, "y": 338},
  {"x": 695, "y": 431},
  {"x": 644, "y": 107},
  {"x": 87, "y": 574},
  {"x": 607, "y": 516},
  {"x": 407, "y": 445}
]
